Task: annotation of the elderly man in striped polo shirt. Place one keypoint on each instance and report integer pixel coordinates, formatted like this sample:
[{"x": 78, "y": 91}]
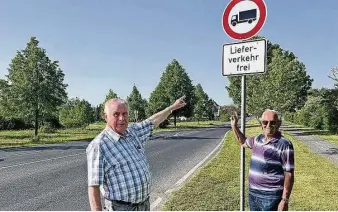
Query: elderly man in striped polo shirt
[
  {"x": 117, "y": 164},
  {"x": 271, "y": 173}
]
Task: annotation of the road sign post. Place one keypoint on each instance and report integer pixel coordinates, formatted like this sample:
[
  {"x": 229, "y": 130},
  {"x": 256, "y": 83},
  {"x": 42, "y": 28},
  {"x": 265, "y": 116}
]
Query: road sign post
[
  {"x": 242, "y": 172},
  {"x": 243, "y": 19}
]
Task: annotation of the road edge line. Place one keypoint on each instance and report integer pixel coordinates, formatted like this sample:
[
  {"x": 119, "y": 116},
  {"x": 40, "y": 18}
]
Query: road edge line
[
  {"x": 186, "y": 176},
  {"x": 155, "y": 203}
]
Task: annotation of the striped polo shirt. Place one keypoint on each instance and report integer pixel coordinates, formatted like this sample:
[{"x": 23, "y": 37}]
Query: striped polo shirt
[
  {"x": 119, "y": 164},
  {"x": 269, "y": 161}
]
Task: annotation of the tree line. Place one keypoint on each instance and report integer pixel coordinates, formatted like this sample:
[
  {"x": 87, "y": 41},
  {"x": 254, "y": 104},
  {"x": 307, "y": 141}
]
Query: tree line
[
  {"x": 287, "y": 88},
  {"x": 34, "y": 95}
]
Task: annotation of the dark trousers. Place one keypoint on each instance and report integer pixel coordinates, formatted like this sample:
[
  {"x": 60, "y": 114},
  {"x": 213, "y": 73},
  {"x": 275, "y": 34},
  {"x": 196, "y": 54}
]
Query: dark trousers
[
  {"x": 113, "y": 205},
  {"x": 264, "y": 200}
]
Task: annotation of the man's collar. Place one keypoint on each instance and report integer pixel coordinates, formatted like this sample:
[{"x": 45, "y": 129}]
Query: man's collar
[
  {"x": 275, "y": 137},
  {"x": 114, "y": 135}
]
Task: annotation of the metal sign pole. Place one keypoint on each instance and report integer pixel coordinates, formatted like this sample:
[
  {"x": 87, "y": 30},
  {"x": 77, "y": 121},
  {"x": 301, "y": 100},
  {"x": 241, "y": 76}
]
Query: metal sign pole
[
  {"x": 243, "y": 115},
  {"x": 245, "y": 49}
]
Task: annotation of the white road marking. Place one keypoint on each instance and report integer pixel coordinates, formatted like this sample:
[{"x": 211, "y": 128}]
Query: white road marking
[
  {"x": 200, "y": 163},
  {"x": 28, "y": 152},
  {"x": 38, "y": 161},
  {"x": 158, "y": 200},
  {"x": 176, "y": 134},
  {"x": 155, "y": 203}
]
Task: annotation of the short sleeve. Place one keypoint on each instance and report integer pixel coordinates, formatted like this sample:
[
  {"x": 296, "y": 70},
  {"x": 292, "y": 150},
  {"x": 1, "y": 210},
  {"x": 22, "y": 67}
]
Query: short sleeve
[
  {"x": 94, "y": 164},
  {"x": 250, "y": 142},
  {"x": 144, "y": 129},
  {"x": 288, "y": 160}
]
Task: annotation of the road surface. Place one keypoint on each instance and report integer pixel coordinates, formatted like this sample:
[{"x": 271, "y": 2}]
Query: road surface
[{"x": 54, "y": 177}]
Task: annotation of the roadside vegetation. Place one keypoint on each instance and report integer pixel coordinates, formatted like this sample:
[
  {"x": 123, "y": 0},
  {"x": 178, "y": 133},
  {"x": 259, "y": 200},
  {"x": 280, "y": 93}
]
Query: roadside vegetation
[
  {"x": 35, "y": 107},
  {"x": 21, "y": 138},
  {"x": 217, "y": 185},
  {"x": 324, "y": 134}
]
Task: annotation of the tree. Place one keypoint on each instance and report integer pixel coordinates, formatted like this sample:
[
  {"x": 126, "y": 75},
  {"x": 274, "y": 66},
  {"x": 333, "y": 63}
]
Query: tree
[
  {"x": 211, "y": 108},
  {"x": 174, "y": 83},
  {"x": 284, "y": 87},
  {"x": 224, "y": 116},
  {"x": 334, "y": 75},
  {"x": 231, "y": 109},
  {"x": 110, "y": 95},
  {"x": 36, "y": 84},
  {"x": 8, "y": 119},
  {"x": 136, "y": 105},
  {"x": 204, "y": 107},
  {"x": 329, "y": 101},
  {"x": 200, "y": 103},
  {"x": 76, "y": 113},
  {"x": 320, "y": 110},
  {"x": 97, "y": 113},
  {"x": 4, "y": 99}
]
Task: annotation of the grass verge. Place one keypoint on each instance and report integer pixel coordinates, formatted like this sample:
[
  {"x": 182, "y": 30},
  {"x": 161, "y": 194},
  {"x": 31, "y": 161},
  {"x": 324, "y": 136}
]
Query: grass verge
[
  {"x": 24, "y": 138},
  {"x": 217, "y": 185},
  {"x": 324, "y": 134}
]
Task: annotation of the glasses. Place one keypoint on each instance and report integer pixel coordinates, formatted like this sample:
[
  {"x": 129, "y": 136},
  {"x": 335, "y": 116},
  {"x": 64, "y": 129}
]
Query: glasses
[{"x": 272, "y": 123}]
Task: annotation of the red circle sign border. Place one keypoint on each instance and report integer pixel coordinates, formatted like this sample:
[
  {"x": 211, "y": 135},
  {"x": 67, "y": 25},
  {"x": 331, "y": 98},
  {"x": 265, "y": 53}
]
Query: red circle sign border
[{"x": 241, "y": 36}]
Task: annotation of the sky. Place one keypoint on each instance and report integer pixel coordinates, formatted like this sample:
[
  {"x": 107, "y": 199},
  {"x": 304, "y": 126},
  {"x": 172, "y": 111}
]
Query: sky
[{"x": 114, "y": 44}]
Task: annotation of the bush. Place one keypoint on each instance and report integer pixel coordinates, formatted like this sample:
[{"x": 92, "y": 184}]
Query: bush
[
  {"x": 52, "y": 123},
  {"x": 12, "y": 124},
  {"x": 164, "y": 124},
  {"x": 317, "y": 117},
  {"x": 224, "y": 117},
  {"x": 319, "y": 112},
  {"x": 288, "y": 116},
  {"x": 76, "y": 113},
  {"x": 331, "y": 121},
  {"x": 301, "y": 117},
  {"x": 47, "y": 128}
]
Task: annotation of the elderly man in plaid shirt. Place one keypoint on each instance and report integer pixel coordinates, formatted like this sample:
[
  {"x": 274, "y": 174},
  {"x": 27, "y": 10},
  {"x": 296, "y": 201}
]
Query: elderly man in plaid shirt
[
  {"x": 117, "y": 164},
  {"x": 271, "y": 173}
]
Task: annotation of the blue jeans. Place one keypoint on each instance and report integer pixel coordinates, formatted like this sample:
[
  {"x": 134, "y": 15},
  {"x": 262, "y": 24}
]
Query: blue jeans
[{"x": 264, "y": 200}]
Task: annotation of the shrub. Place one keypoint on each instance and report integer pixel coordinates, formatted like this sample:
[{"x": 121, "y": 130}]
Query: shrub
[
  {"x": 288, "y": 116},
  {"x": 164, "y": 124},
  {"x": 47, "y": 128}
]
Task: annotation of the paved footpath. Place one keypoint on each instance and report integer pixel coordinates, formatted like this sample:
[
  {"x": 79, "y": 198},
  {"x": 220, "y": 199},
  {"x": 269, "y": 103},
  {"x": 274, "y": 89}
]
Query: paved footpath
[{"x": 316, "y": 144}]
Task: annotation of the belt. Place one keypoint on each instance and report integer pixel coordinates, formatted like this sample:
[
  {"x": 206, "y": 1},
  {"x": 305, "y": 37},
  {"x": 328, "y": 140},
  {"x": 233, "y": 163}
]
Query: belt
[{"x": 129, "y": 203}]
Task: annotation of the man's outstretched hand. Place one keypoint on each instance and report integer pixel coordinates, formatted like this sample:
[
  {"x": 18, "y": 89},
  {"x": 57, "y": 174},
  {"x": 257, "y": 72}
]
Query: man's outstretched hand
[
  {"x": 234, "y": 120},
  {"x": 179, "y": 103}
]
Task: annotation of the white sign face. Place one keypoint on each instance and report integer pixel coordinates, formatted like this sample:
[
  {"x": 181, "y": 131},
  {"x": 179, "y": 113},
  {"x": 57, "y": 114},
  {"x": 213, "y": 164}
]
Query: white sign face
[
  {"x": 244, "y": 16},
  {"x": 247, "y": 57}
]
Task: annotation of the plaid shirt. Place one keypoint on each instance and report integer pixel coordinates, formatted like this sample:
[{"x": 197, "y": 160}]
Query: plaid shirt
[{"x": 119, "y": 163}]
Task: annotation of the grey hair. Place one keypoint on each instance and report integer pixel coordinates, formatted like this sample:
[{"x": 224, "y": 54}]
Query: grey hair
[
  {"x": 114, "y": 100},
  {"x": 275, "y": 112}
]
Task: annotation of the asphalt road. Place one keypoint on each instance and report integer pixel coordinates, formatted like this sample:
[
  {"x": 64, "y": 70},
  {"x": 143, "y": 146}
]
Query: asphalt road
[{"x": 54, "y": 177}]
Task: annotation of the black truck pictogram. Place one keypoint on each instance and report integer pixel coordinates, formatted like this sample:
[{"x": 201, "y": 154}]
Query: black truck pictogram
[{"x": 244, "y": 16}]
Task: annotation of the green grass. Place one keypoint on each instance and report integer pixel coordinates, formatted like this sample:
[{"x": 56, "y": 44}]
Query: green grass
[
  {"x": 316, "y": 180},
  {"x": 217, "y": 185},
  {"x": 22, "y": 138},
  {"x": 324, "y": 134}
]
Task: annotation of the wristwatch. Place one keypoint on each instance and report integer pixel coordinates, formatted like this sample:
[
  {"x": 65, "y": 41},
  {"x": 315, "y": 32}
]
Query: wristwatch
[{"x": 285, "y": 200}]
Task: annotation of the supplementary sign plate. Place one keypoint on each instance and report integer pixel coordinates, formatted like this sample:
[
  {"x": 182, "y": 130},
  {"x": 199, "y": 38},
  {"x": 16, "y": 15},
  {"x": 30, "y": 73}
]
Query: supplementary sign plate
[{"x": 248, "y": 57}]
